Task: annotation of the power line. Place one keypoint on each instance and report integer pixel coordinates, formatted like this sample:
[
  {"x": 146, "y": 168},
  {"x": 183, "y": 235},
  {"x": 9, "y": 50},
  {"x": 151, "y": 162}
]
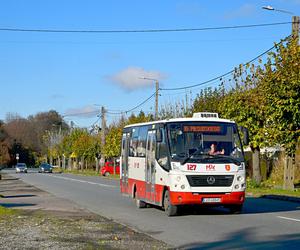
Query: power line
[
  {"x": 96, "y": 121},
  {"x": 228, "y": 73},
  {"x": 111, "y": 112},
  {"x": 145, "y": 30},
  {"x": 132, "y": 109},
  {"x": 142, "y": 103}
]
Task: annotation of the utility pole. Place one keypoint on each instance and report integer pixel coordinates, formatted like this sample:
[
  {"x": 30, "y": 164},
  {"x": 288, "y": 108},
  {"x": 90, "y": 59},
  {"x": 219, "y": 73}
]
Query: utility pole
[
  {"x": 296, "y": 27},
  {"x": 103, "y": 128},
  {"x": 156, "y": 94},
  {"x": 156, "y": 98}
]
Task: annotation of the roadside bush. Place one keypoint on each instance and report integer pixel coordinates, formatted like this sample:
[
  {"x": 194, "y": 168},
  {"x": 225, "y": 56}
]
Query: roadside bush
[{"x": 251, "y": 183}]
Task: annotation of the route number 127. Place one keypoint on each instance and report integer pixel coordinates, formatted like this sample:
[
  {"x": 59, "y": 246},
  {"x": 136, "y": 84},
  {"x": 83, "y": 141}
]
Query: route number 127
[{"x": 191, "y": 167}]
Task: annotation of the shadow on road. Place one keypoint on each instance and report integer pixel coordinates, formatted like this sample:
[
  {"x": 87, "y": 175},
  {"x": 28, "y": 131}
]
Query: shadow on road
[
  {"x": 9, "y": 179},
  {"x": 18, "y": 196},
  {"x": 244, "y": 239},
  {"x": 252, "y": 206},
  {"x": 15, "y": 205},
  {"x": 262, "y": 205}
]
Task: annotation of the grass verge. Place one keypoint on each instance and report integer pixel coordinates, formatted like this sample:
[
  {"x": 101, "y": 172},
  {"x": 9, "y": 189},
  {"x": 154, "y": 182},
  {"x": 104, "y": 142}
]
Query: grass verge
[
  {"x": 86, "y": 172},
  {"x": 260, "y": 191},
  {"x": 7, "y": 211}
]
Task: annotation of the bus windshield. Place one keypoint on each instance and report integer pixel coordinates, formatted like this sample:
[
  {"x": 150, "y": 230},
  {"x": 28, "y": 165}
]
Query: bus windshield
[{"x": 205, "y": 142}]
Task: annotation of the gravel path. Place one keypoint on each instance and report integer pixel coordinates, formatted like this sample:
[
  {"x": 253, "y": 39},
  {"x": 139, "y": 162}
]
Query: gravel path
[{"x": 38, "y": 220}]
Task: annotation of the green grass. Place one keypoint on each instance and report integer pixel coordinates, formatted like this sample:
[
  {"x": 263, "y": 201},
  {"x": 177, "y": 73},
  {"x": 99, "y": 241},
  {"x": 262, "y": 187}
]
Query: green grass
[
  {"x": 268, "y": 188},
  {"x": 260, "y": 191},
  {"x": 6, "y": 211},
  {"x": 86, "y": 172},
  {"x": 81, "y": 172}
]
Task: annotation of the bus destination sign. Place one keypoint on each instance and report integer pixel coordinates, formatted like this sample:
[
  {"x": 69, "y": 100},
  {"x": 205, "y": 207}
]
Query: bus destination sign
[{"x": 211, "y": 129}]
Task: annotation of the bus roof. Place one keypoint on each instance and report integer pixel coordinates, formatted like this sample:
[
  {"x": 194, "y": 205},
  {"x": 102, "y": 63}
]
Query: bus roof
[{"x": 190, "y": 119}]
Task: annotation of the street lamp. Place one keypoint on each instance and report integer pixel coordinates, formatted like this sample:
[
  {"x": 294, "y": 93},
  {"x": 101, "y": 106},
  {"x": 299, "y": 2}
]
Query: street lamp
[
  {"x": 269, "y": 7},
  {"x": 295, "y": 20},
  {"x": 156, "y": 93}
]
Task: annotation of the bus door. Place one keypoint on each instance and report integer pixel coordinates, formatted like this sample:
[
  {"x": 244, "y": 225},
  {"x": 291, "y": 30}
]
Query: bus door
[
  {"x": 150, "y": 165},
  {"x": 124, "y": 163}
]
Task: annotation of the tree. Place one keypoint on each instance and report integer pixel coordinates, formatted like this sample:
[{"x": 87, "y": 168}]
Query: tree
[
  {"x": 4, "y": 147},
  {"x": 112, "y": 146},
  {"x": 244, "y": 106},
  {"x": 282, "y": 92},
  {"x": 44, "y": 123},
  {"x": 266, "y": 100},
  {"x": 208, "y": 100}
]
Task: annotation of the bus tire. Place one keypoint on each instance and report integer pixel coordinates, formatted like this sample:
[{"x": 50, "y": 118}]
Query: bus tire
[
  {"x": 138, "y": 202},
  {"x": 235, "y": 209},
  {"x": 106, "y": 174},
  {"x": 170, "y": 209}
]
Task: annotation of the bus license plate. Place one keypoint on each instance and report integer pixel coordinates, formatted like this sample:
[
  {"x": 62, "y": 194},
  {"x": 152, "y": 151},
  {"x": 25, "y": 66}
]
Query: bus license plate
[{"x": 211, "y": 200}]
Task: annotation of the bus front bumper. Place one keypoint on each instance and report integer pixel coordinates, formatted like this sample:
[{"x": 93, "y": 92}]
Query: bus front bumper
[{"x": 189, "y": 198}]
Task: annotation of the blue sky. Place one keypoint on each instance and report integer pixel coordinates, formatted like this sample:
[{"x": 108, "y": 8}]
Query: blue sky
[{"x": 71, "y": 72}]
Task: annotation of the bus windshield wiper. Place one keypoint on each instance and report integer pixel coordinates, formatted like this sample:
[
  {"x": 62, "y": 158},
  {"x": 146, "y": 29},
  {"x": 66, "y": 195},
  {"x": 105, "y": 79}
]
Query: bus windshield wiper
[
  {"x": 184, "y": 160},
  {"x": 220, "y": 156}
]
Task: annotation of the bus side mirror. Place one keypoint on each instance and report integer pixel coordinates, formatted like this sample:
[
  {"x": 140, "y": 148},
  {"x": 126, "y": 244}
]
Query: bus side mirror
[
  {"x": 158, "y": 135},
  {"x": 245, "y": 135}
]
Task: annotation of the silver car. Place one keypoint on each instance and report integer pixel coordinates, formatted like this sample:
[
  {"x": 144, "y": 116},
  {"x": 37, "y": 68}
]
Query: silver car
[{"x": 21, "y": 168}]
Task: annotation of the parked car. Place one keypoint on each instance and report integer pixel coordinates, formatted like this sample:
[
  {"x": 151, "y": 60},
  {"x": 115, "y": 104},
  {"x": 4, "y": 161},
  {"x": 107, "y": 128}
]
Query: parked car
[
  {"x": 108, "y": 168},
  {"x": 21, "y": 168},
  {"x": 45, "y": 168}
]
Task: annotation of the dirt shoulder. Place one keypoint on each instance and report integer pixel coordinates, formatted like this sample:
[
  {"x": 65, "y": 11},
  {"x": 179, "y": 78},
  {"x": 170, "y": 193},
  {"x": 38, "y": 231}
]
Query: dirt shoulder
[{"x": 33, "y": 219}]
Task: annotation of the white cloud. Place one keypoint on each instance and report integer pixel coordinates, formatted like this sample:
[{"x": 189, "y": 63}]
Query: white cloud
[
  {"x": 245, "y": 10},
  {"x": 87, "y": 111},
  {"x": 131, "y": 78}
]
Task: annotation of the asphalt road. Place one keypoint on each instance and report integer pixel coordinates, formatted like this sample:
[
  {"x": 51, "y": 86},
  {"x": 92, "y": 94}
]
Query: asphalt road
[{"x": 263, "y": 224}]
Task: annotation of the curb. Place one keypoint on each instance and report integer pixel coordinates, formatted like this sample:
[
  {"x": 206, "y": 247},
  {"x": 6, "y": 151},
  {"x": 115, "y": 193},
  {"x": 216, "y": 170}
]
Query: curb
[{"x": 282, "y": 198}]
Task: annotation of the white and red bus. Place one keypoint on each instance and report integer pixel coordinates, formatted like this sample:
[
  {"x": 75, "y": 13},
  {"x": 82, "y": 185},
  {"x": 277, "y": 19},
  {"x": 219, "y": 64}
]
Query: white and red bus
[{"x": 184, "y": 161}]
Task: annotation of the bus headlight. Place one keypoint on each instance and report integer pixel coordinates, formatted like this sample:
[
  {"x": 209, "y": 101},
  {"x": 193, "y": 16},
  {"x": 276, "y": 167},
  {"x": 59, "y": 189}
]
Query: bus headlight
[
  {"x": 240, "y": 178},
  {"x": 178, "y": 178},
  {"x": 242, "y": 167},
  {"x": 182, "y": 186},
  {"x": 237, "y": 186}
]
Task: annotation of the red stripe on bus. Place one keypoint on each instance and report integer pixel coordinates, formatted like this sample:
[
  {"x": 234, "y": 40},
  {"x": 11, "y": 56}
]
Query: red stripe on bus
[
  {"x": 179, "y": 198},
  {"x": 185, "y": 198}
]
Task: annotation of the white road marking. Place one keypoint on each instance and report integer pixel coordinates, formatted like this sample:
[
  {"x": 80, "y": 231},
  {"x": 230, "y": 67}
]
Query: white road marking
[
  {"x": 287, "y": 218},
  {"x": 89, "y": 182}
]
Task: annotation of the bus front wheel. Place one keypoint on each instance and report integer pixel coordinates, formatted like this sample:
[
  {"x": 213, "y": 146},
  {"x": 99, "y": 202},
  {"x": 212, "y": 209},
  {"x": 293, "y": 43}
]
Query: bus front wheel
[{"x": 170, "y": 209}]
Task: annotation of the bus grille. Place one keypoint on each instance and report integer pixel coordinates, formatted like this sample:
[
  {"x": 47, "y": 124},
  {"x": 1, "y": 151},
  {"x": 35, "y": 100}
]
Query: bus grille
[{"x": 210, "y": 180}]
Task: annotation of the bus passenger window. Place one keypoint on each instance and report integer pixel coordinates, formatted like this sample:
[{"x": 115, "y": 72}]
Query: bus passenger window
[
  {"x": 141, "y": 150},
  {"x": 162, "y": 153},
  {"x": 142, "y": 138}
]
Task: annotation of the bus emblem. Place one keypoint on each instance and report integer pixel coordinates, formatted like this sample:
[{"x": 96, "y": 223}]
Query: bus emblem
[
  {"x": 210, "y": 180},
  {"x": 227, "y": 167}
]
